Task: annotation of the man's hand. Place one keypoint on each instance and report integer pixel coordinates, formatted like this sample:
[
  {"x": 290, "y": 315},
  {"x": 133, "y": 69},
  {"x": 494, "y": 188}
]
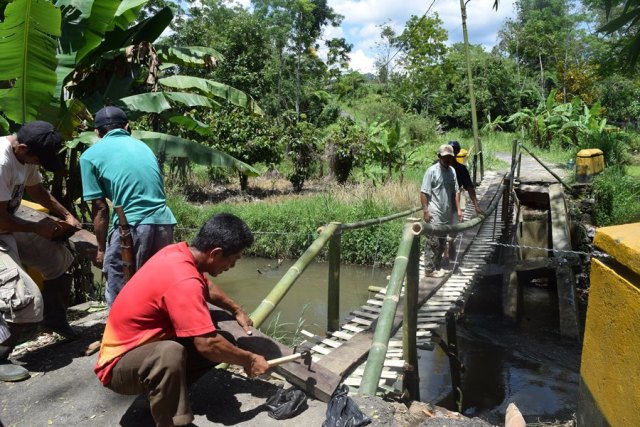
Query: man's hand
[
  {"x": 243, "y": 320},
  {"x": 427, "y": 215},
  {"x": 72, "y": 220},
  {"x": 257, "y": 365},
  {"x": 99, "y": 259},
  {"x": 478, "y": 210},
  {"x": 460, "y": 215},
  {"x": 47, "y": 228}
]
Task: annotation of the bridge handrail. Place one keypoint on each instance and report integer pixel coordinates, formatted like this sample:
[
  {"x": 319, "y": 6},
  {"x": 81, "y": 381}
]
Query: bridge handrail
[{"x": 269, "y": 303}]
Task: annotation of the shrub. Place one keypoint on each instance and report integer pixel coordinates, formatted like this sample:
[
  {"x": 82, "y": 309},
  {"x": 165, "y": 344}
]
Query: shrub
[{"x": 616, "y": 197}]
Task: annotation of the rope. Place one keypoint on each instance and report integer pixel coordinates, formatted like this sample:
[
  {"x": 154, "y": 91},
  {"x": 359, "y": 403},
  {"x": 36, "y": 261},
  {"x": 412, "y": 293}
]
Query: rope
[{"x": 597, "y": 254}]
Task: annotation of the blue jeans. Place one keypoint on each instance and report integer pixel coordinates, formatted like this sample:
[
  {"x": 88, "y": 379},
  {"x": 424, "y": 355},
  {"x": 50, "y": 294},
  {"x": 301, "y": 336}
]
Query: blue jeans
[{"x": 147, "y": 240}]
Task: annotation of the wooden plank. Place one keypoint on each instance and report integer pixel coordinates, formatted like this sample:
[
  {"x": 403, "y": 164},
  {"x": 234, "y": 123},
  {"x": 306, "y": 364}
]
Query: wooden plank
[
  {"x": 326, "y": 341},
  {"x": 565, "y": 279},
  {"x": 83, "y": 241},
  {"x": 315, "y": 380}
]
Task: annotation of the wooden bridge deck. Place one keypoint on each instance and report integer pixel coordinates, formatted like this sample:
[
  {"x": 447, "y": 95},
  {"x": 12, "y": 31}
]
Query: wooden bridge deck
[{"x": 344, "y": 352}]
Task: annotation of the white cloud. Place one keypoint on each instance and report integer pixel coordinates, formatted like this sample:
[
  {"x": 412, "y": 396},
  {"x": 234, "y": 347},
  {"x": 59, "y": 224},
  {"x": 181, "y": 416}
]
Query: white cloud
[
  {"x": 363, "y": 18},
  {"x": 362, "y": 62}
]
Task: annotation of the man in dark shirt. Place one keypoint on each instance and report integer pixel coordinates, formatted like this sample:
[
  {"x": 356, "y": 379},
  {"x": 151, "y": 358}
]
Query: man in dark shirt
[
  {"x": 464, "y": 183},
  {"x": 464, "y": 179}
]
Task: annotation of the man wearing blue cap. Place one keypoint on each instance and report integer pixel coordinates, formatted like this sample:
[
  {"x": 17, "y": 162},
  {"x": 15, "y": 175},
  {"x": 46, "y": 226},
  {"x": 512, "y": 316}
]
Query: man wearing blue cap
[
  {"x": 125, "y": 171},
  {"x": 24, "y": 243}
]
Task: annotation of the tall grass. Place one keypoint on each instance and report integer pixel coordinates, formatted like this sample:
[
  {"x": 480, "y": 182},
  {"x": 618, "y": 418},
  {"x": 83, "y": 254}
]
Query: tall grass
[
  {"x": 285, "y": 227},
  {"x": 617, "y": 197}
]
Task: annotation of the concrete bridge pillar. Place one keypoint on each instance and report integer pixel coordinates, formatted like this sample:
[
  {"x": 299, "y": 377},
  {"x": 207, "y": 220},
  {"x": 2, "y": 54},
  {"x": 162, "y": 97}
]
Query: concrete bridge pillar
[{"x": 610, "y": 370}]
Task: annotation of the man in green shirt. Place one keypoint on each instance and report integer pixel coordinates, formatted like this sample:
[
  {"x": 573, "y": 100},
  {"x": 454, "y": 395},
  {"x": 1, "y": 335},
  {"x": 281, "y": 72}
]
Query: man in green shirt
[{"x": 125, "y": 171}]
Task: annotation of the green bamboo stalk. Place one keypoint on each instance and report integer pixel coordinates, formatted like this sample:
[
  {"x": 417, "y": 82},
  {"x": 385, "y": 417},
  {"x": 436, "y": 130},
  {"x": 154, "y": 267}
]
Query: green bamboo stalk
[
  {"x": 381, "y": 336},
  {"x": 333, "y": 292},
  {"x": 281, "y": 288},
  {"x": 410, "y": 323},
  {"x": 472, "y": 96},
  {"x": 368, "y": 222}
]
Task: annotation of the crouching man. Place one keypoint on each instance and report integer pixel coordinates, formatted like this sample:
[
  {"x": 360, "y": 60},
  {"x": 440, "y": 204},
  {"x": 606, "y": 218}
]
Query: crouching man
[
  {"x": 27, "y": 243},
  {"x": 160, "y": 336}
]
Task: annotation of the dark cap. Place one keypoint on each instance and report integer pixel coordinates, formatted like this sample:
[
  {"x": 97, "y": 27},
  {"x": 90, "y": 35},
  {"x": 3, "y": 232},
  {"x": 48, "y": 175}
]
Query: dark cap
[
  {"x": 456, "y": 146},
  {"x": 43, "y": 142},
  {"x": 110, "y": 116}
]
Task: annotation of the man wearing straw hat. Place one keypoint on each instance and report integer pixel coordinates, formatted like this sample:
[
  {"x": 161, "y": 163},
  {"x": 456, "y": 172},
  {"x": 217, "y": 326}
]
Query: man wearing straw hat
[{"x": 439, "y": 196}]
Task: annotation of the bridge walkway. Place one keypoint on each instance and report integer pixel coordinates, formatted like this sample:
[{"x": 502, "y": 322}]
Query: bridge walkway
[{"x": 344, "y": 351}]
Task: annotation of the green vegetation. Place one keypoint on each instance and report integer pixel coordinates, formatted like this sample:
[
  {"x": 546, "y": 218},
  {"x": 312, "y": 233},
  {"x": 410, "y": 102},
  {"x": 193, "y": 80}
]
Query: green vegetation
[
  {"x": 617, "y": 197},
  {"x": 285, "y": 228}
]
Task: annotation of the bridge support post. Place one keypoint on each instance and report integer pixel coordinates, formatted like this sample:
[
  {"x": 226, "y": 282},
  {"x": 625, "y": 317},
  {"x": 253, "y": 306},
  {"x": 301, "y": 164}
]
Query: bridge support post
[
  {"x": 411, "y": 381},
  {"x": 454, "y": 361},
  {"x": 333, "y": 296},
  {"x": 565, "y": 279},
  {"x": 512, "y": 297}
]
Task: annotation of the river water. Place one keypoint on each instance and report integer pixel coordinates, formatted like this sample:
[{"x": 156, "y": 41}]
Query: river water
[{"x": 528, "y": 363}]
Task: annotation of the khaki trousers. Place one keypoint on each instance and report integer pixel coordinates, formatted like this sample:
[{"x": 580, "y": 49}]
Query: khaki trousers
[{"x": 162, "y": 370}]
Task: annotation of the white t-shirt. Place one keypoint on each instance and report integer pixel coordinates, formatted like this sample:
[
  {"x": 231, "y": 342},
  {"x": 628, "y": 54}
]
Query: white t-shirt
[
  {"x": 14, "y": 176},
  {"x": 440, "y": 186}
]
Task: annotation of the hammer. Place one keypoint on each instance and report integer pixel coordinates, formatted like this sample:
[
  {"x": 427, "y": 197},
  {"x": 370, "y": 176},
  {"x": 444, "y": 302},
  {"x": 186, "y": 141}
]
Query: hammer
[{"x": 305, "y": 355}]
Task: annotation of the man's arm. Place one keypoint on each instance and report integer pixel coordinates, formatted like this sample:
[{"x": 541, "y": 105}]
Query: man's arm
[
  {"x": 12, "y": 224},
  {"x": 216, "y": 348},
  {"x": 100, "y": 215},
  {"x": 218, "y": 298},
  {"x": 460, "y": 213},
  {"x": 424, "y": 201},
  {"x": 42, "y": 196},
  {"x": 474, "y": 199}
]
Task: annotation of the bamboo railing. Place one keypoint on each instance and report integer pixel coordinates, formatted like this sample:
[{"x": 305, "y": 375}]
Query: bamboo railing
[
  {"x": 406, "y": 264},
  {"x": 330, "y": 233}
]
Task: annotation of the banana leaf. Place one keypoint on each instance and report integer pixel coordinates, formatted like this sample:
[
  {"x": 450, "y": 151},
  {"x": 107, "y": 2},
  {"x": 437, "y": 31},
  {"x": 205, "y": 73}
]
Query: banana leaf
[
  {"x": 158, "y": 102},
  {"x": 173, "y": 146},
  {"x": 212, "y": 89},
  {"x": 27, "y": 55},
  {"x": 188, "y": 56}
]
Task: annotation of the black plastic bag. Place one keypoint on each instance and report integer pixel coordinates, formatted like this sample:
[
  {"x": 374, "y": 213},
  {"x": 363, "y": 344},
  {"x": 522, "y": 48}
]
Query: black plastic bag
[
  {"x": 286, "y": 403},
  {"x": 342, "y": 411}
]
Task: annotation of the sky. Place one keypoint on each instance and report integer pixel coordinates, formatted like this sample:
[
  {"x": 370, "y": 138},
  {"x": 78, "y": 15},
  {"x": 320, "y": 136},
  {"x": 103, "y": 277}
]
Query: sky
[{"x": 363, "y": 18}]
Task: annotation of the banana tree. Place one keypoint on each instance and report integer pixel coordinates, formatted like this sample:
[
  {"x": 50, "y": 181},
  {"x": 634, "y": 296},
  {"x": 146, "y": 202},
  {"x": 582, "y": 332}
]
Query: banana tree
[{"x": 63, "y": 61}]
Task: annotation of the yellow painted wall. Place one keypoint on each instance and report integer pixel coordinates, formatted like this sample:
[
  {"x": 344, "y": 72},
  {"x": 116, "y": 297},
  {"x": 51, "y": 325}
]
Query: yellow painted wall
[{"x": 610, "y": 368}]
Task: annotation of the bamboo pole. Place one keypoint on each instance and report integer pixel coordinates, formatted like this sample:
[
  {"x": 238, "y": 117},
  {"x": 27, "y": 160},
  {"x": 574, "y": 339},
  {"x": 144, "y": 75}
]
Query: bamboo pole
[
  {"x": 422, "y": 228},
  {"x": 410, "y": 323},
  {"x": 369, "y": 222},
  {"x": 565, "y": 185},
  {"x": 454, "y": 360},
  {"x": 333, "y": 291},
  {"x": 472, "y": 96},
  {"x": 281, "y": 288},
  {"x": 381, "y": 336}
]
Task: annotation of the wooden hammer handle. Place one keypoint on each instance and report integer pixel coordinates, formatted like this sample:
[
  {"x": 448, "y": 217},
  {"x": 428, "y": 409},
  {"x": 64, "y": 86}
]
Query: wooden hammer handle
[{"x": 283, "y": 359}]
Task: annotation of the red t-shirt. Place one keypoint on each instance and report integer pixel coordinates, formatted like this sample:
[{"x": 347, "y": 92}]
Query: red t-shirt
[{"x": 163, "y": 300}]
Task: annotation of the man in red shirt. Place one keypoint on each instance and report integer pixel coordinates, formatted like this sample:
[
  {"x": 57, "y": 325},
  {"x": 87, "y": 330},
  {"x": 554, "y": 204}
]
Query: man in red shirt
[{"x": 160, "y": 336}]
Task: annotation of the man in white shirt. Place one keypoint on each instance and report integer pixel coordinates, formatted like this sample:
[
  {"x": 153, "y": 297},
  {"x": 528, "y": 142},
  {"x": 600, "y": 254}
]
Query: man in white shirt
[
  {"x": 27, "y": 243},
  {"x": 439, "y": 196}
]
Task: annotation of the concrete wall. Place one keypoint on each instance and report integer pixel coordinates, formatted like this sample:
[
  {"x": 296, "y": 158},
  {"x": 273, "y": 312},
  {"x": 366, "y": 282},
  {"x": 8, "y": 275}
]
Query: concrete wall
[{"x": 610, "y": 368}]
